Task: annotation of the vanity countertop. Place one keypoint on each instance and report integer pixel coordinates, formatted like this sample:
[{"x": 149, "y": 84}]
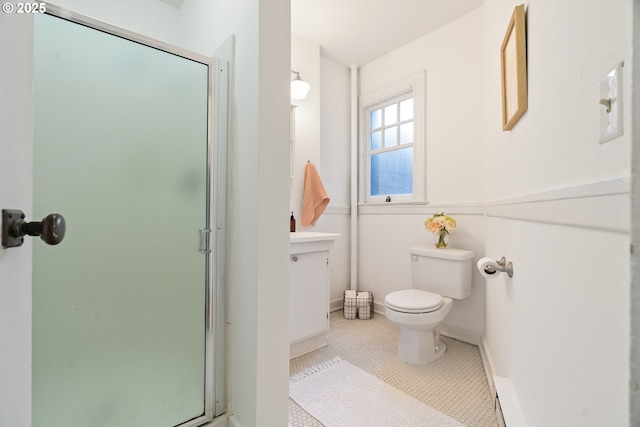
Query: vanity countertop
[{"x": 311, "y": 236}]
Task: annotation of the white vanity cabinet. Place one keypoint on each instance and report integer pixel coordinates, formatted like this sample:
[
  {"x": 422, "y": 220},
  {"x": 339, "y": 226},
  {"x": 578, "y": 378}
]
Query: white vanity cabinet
[{"x": 309, "y": 290}]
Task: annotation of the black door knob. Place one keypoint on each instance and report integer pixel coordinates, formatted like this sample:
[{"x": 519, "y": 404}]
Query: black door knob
[{"x": 51, "y": 229}]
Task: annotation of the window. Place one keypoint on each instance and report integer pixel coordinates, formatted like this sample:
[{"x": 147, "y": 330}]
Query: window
[{"x": 392, "y": 145}]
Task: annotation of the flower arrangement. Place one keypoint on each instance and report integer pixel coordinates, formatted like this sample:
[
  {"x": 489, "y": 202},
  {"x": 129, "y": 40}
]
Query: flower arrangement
[{"x": 440, "y": 225}]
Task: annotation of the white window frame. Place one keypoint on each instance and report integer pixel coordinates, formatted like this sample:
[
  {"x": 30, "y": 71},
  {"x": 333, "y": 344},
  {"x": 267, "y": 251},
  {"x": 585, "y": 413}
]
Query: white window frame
[{"x": 414, "y": 84}]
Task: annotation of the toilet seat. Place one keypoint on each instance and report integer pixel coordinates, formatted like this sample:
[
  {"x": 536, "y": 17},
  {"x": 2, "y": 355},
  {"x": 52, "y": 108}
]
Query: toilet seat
[{"x": 413, "y": 301}]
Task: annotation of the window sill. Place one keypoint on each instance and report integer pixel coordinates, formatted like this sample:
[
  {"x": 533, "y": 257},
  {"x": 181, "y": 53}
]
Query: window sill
[{"x": 400, "y": 207}]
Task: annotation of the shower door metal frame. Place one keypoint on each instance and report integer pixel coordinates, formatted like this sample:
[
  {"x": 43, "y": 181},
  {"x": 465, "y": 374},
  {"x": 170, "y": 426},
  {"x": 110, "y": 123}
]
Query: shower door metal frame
[{"x": 215, "y": 340}]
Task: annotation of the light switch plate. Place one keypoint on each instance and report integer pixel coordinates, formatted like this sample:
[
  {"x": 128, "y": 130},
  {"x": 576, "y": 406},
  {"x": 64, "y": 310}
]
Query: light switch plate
[{"x": 611, "y": 105}]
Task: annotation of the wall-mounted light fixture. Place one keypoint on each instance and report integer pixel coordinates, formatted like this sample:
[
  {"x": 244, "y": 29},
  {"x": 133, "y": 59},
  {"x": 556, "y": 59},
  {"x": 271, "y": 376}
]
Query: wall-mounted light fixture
[{"x": 299, "y": 88}]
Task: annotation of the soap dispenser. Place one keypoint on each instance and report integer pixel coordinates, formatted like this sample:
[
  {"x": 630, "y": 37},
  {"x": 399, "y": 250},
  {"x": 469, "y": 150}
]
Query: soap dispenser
[{"x": 292, "y": 223}]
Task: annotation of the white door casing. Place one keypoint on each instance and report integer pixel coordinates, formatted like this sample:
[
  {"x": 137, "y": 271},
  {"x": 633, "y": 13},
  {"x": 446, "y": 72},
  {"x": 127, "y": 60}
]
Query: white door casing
[{"x": 16, "y": 182}]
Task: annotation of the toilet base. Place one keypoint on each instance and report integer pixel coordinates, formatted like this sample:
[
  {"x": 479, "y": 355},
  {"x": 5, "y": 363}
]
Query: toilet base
[{"x": 418, "y": 347}]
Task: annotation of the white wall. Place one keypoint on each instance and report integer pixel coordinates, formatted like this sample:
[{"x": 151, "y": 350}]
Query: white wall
[
  {"x": 566, "y": 61},
  {"x": 258, "y": 248},
  {"x": 559, "y": 330},
  {"x": 635, "y": 232},
  {"x": 305, "y": 58},
  {"x": 335, "y": 146},
  {"x": 452, "y": 57},
  {"x": 322, "y": 137},
  {"x": 150, "y": 18},
  {"x": 16, "y": 144}
]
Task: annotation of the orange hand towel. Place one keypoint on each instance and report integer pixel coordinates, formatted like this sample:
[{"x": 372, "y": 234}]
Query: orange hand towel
[{"x": 315, "y": 198}]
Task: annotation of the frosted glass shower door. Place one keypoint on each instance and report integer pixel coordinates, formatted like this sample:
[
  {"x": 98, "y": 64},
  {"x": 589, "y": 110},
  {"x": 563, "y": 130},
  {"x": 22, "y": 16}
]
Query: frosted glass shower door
[{"x": 119, "y": 306}]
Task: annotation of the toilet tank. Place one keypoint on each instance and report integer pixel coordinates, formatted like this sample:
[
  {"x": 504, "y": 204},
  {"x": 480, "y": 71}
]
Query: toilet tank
[{"x": 442, "y": 271}]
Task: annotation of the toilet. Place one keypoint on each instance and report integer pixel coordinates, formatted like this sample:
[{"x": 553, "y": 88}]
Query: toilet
[{"x": 439, "y": 276}]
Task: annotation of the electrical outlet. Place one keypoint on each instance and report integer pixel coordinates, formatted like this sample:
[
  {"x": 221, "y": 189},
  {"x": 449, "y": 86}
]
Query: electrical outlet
[{"x": 611, "y": 105}]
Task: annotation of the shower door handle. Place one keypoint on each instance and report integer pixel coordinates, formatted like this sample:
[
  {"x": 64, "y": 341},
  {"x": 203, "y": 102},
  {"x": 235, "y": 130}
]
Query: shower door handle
[
  {"x": 51, "y": 229},
  {"x": 205, "y": 234}
]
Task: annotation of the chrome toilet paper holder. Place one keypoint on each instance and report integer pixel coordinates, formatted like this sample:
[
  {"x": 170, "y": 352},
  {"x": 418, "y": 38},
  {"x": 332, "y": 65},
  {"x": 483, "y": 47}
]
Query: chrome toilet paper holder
[{"x": 503, "y": 266}]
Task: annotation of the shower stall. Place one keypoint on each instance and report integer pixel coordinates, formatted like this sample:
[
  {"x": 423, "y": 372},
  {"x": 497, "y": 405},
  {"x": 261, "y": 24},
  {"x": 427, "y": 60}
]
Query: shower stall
[{"x": 130, "y": 147}]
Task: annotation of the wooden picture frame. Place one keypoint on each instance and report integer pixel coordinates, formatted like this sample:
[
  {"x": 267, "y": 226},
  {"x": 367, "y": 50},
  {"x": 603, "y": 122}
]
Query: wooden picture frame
[{"x": 513, "y": 69}]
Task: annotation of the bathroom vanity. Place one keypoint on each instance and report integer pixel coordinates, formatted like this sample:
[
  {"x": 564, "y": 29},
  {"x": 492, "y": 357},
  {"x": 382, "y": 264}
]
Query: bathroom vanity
[{"x": 309, "y": 290}]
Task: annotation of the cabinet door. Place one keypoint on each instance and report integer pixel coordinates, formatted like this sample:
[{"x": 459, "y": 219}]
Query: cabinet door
[{"x": 309, "y": 294}]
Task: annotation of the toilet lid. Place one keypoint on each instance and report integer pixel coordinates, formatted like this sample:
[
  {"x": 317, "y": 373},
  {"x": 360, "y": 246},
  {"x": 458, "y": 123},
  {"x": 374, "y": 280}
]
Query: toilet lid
[{"x": 413, "y": 301}]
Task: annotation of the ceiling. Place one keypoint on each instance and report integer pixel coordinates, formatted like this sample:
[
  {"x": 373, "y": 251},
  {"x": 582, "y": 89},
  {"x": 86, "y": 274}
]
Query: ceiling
[{"x": 355, "y": 32}]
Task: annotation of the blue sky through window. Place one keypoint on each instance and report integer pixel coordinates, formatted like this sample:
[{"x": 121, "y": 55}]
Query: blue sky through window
[{"x": 392, "y": 172}]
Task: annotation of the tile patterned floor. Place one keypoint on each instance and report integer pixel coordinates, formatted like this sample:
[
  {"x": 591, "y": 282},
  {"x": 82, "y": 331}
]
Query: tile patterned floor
[{"x": 455, "y": 384}]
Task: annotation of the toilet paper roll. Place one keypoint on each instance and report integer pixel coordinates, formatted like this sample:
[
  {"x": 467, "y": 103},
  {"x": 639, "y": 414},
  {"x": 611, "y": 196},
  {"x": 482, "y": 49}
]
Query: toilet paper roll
[{"x": 488, "y": 267}]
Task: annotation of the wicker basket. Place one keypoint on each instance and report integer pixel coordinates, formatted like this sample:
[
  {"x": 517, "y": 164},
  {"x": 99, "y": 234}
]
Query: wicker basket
[{"x": 360, "y": 307}]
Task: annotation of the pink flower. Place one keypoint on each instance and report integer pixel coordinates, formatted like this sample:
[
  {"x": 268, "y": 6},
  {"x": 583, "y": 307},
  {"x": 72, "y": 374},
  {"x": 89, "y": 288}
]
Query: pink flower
[
  {"x": 433, "y": 227},
  {"x": 439, "y": 222}
]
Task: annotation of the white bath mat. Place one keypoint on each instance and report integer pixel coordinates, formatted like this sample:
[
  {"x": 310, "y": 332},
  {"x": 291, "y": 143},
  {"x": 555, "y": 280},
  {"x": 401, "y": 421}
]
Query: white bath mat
[{"x": 339, "y": 394}]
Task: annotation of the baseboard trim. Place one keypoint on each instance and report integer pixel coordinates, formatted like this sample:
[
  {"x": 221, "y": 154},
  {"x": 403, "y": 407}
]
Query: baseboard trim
[
  {"x": 508, "y": 402},
  {"x": 221, "y": 421},
  {"x": 461, "y": 334},
  {"x": 308, "y": 345},
  {"x": 234, "y": 422},
  {"x": 507, "y": 407},
  {"x": 487, "y": 362},
  {"x": 378, "y": 307},
  {"x": 335, "y": 305}
]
